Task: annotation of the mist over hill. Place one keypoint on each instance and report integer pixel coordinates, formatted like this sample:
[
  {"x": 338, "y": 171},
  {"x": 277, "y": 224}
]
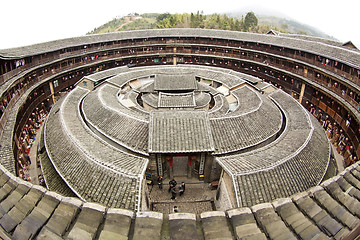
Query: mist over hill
[{"x": 282, "y": 22}]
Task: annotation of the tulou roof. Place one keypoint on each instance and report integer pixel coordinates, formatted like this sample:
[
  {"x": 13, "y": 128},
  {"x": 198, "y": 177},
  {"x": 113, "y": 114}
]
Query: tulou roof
[
  {"x": 96, "y": 146},
  {"x": 327, "y": 48},
  {"x": 257, "y": 136}
]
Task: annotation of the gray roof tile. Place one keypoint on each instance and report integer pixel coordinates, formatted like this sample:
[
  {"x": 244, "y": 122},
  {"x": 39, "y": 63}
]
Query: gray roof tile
[
  {"x": 336, "y": 210},
  {"x": 148, "y": 225},
  {"x": 170, "y": 100},
  {"x": 278, "y": 164},
  {"x": 87, "y": 223},
  {"x": 245, "y": 130},
  {"x": 100, "y": 174},
  {"x": 126, "y": 127},
  {"x": 183, "y": 229},
  {"x": 293, "y": 217},
  {"x": 62, "y": 217}
]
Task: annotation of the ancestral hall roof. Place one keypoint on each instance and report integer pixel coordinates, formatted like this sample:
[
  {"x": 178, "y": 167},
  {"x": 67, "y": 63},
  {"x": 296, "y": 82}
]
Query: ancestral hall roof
[
  {"x": 174, "y": 82},
  {"x": 179, "y": 132}
]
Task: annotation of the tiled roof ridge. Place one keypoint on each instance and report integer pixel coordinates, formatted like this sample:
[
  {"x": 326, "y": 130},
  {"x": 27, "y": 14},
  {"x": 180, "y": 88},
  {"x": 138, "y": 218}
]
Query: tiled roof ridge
[
  {"x": 269, "y": 169},
  {"x": 76, "y": 143},
  {"x": 56, "y": 108}
]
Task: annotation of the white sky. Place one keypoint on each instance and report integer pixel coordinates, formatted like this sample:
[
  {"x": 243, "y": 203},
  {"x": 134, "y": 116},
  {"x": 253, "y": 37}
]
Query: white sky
[{"x": 25, "y": 22}]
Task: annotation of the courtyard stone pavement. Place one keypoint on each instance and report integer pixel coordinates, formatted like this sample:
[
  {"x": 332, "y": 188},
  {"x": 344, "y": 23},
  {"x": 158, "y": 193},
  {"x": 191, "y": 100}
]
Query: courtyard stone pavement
[{"x": 198, "y": 197}]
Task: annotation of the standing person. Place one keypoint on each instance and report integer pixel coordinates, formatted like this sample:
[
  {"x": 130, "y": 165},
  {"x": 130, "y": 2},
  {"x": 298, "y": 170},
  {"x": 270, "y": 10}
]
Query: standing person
[
  {"x": 172, "y": 184},
  {"x": 151, "y": 184},
  {"x": 27, "y": 158},
  {"x": 181, "y": 188},
  {"x": 352, "y": 151},
  {"x": 329, "y": 131},
  {"x": 173, "y": 193},
  {"x": 160, "y": 182},
  {"x": 176, "y": 209}
]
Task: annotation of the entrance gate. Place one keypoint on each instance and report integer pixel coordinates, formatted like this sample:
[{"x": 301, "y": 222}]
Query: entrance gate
[{"x": 180, "y": 165}]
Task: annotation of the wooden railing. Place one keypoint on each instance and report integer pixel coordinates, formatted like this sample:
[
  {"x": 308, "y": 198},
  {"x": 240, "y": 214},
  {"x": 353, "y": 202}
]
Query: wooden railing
[
  {"x": 7, "y": 110},
  {"x": 153, "y": 53}
]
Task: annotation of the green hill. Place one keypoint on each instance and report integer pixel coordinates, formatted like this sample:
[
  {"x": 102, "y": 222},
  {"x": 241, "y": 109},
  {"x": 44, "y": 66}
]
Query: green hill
[
  {"x": 134, "y": 22},
  {"x": 232, "y": 21}
]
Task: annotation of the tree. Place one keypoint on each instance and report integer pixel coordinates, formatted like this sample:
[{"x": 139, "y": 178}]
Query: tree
[
  {"x": 197, "y": 21},
  {"x": 250, "y": 21},
  {"x": 238, "y": 24},
  {"x": 163, "y": 16}
]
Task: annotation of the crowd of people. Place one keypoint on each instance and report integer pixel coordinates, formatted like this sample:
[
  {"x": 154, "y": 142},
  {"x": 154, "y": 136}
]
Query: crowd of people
[
  {"x": 172, "y": 187},
  {"x": 336, "y": 135},
  {"x": 173, "y": 191},
  {"x": 26, "y": 141},
  {"x": 15, "y": 91}
]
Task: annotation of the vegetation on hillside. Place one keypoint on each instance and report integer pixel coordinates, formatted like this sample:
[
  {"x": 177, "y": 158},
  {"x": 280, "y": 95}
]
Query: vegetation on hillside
[
  {"x": 213, "y": 21},
  {"x": 247, "y": 23}
]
